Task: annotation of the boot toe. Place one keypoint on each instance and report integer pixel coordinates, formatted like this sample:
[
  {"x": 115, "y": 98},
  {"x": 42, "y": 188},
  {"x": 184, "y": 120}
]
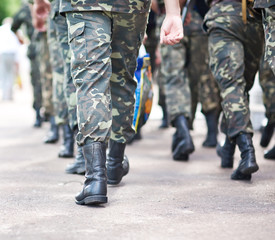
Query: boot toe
[{"x": 270, "y": 154}]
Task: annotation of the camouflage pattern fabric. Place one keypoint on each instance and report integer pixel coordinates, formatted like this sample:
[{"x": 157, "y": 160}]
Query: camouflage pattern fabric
[
  {"x": 69, "y": 87},
  {"x": 118, "y": 6},
  {"x": 46, "y": 74},
  {"x": 23, "y": 17},
  {"x": 104, "y": 48},
  {"x": 263, "y": 3},
  {"x": 59, "y": 101},
  {"x": 269, "y": 29},
  {"x": 188, "y": 79},
  {"x": 235, "y": 52},
  {"x": 267, "y": 82},
  {"x": 35, "y": 74},
  {"x": 204, "y": 88},
  {"x": 176, "y": 87}
]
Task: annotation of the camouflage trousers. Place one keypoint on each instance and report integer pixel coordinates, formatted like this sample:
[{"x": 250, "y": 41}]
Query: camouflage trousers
[
  {"x": 36, "y": 83},
  {"x": 176, "y": 86},
  {"x": 59, "y": 101},
  {"x": 267, "y": 82},
  {"x": 69, "y": 87},
  {"x": 35, "y": 74},
  {"x": 204, "y": 88},
  {"x": 269, "y": 29},
  {"x": 235, "y": 50},
  {"x": 104, "y": 48},
  {"x": 46, "y": 75},
  {"x": 188, "y": 79}
]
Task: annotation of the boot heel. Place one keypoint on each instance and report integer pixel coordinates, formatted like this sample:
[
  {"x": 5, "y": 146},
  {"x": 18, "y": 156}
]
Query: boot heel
[
  {"x": 250, "y": 169},
  {"x": 93, "y": 200}
]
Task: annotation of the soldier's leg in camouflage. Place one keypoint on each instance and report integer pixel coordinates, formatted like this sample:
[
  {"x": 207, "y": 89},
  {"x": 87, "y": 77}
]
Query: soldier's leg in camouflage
[
  {"x": 91, "y": 49},
  {"x": 37, "y": 95},
  {"x": 239, "y": 126},
  {"x": 122, "y": 90},
  {"x": 67, "y": 149},
  {"x": 267, "y": 82},
  {"x": 162, "y": 104},
  {"x": 53, "y": 134},
  {"x": 178, "y": 98},
  {"x": 268, "y": 23}
]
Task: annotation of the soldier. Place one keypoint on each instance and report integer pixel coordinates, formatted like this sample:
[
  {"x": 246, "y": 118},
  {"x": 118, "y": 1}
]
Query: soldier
[
  {"x": 69, "y": 90},
  {"x": 23, "y": 17},
  {"x": 104, "y": 81},
  {"x": 202, "y": 84},
  {"x": 188, "y": 80},
  {"x": 59, "y": 100},
  {"x": 268, "y": 14},
  {"x": 235, "y": 50},
  {"x": 47, "y": 87}
]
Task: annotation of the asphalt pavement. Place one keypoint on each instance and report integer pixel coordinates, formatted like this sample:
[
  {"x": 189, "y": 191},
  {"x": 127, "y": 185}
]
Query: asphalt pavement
[{"x": 159, "y": 199}]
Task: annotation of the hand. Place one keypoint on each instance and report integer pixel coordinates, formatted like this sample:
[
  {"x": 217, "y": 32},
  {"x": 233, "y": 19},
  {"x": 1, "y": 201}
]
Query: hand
[
  {"x": 41, "y": 10},
  {"x": 145, "y": 38},
  {"x": 171, "y": 30}
]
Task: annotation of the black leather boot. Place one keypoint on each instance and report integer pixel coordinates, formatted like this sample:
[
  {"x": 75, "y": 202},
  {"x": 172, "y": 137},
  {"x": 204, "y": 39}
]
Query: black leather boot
[
  {"x": 182, "y": 144},
  {"x": 136, "y": 137},
  {"x": 212, "y": 127},
  {"x": 53, "y": 134},
  {"x": 95, "y": 186},
  {"x": 237, "y": 175},
  {"x": 226, "y": 152},
  {"x": 164, "y": 121},
  {"x": 78, "y": 166},
  {"x": 117, "y": 162},
  {"x": 267, "y": 134},
  {"x": 38, "y": 119},
  {"x": 270, "y": 154},
  {"x": 248, "y": 164},
  {"x": 67, "y": 149}
]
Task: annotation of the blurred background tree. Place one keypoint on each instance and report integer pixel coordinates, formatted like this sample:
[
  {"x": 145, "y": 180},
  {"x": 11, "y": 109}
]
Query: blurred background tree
[{"x": 8, "y": 8}]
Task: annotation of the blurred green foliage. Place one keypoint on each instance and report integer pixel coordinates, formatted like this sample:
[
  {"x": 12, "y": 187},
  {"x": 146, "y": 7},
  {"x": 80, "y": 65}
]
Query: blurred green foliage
[{"x": 8, "y": 8}]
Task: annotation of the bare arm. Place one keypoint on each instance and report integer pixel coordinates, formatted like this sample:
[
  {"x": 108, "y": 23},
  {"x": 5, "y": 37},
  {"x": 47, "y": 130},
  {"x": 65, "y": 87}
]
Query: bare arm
[{"x": 171, "y": 29}]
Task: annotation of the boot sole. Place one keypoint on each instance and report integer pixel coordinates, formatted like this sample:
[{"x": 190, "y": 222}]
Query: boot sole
[
  {"x": 113, "y": 182},
  {"x": 93, "y": 200},
  {"x": 65, "y": 155},
  {"x": 76, "y": 172}
]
